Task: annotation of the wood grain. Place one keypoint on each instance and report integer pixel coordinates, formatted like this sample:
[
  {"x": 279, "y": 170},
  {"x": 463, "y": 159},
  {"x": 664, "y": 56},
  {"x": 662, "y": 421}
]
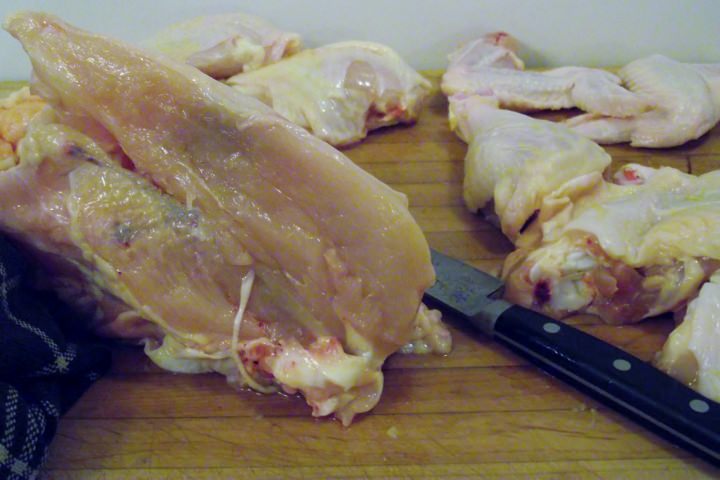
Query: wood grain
[
  {"x": 479, "y": 412},
  {"x": 657, "y": 469},
  {"x": 433, "y": 439}
]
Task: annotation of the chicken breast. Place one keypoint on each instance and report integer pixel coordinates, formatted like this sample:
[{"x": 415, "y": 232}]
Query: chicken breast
[
  {"x": 238, "y": 242},
  {"x": 341, "y": 91},
  {"x": 515, "y": 163},
  {"x": 489, "y": 66},
  {"x": 225, "y": 45},
  {"x": 623, "y": 252},
  {"x": 685, "y": 102}
]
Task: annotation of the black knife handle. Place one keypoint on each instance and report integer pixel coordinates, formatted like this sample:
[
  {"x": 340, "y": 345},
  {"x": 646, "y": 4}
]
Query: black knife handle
[{"x": 615, "y": 378}]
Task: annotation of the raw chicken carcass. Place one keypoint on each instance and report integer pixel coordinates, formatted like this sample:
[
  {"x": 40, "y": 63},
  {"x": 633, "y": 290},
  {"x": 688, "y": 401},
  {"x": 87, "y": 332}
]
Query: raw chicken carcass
[
  {"x": 222, "y": 235},
  {"x": 515, "y": 162},
  {"x": 685, "y": 100},
  {"x": 489, "y": 66},
  {"x": 225, "y": 45},
  {"x": 691, "y": 352},
  {"x": 341, "y": 91},
  {"x": 623, "y": 252}
]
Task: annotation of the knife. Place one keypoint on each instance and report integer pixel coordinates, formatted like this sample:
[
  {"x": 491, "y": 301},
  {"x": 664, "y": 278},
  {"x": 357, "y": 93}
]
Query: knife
[{"x": 610, "y": 375}]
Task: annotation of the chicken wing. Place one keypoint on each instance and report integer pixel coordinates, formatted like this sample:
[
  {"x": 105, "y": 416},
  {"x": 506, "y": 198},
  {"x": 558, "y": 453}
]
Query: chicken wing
[
  {"x": 489, "y": 66},
  {"x": 515, "y": 163},
  {"x": 341, "y": 91},
  {"x": 685, "y": 102}
]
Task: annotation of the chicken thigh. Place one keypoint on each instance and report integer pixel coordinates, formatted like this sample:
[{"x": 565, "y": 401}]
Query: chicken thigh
[
  {"x": 623, "y": 252},
  {"x": 220, "y": 234},
  {"x": 225, "y": 45},
  {"x": 341, "y": 91}
]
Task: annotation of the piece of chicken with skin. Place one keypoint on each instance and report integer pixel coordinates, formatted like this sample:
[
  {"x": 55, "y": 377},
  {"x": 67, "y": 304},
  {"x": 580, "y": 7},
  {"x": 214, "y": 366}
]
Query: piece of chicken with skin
[
  {"x": 489, "y": 66},
  {"x": 15, "y": 113},
  {"x": 623, "y": 252},
  {"x": 514, "y": 162},
  {"x": 225, "y": 45},
  {"x": 690, "y": 353},
  {"x": 231, "y": 240},
  {"x": 340, "y": 91},
  {"x": 685, "y": 101}
]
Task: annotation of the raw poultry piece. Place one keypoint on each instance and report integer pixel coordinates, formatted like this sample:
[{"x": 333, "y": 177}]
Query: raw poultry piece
[
  {"x": 15, "y": 113},
  {"x": 489, "y": 66},
  {"x": 691, "y": 352},
  {"x": 685, "y": 102},
  {"x": 225, "y": 45},
  {"x": 221, "y": 235},
  {"x": 340, "y": 91},
  {"x": 623, "y": 252},
  {"x": 515, "y": 162}
]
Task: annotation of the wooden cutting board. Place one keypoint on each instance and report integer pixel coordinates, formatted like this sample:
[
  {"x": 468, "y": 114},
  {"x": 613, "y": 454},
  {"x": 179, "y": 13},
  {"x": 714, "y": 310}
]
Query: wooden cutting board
[{"x": 478, "y": 412}]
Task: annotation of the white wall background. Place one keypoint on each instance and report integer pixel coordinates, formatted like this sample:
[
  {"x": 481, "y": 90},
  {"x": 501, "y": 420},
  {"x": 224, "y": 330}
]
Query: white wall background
[{"x": 552, "y": 32}]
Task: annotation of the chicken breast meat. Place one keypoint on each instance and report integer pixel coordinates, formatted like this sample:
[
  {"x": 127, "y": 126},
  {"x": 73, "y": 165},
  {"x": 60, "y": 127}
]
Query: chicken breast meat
[
  {"x": 340, "y": 91},
  {"x": 195, "y": 219}
]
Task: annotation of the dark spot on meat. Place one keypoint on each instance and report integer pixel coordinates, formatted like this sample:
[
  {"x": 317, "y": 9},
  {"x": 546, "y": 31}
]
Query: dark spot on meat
[
  {"x": 74, "y": 151},
  {"x": 124, "y": 234},
  {"x": 529, "y": 221},
  {"x": 78, "y": 152},
  {"x": 193, "y": 216},
  {"x": 181, "y": 218},
  {"x": 541, "y": 292}
]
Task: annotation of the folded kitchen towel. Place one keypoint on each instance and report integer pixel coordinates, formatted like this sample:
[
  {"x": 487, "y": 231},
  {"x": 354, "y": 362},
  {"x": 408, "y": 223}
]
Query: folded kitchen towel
[{"x": 42, "y": 372}]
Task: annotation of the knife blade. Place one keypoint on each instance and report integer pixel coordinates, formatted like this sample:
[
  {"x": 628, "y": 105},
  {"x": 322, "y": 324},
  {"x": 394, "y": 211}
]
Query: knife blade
[{"x": 609, "y": 374}]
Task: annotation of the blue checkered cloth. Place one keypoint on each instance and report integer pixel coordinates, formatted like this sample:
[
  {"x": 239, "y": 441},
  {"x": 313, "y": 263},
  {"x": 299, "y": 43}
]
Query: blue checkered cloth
[{"x": 43, "y": 371}]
